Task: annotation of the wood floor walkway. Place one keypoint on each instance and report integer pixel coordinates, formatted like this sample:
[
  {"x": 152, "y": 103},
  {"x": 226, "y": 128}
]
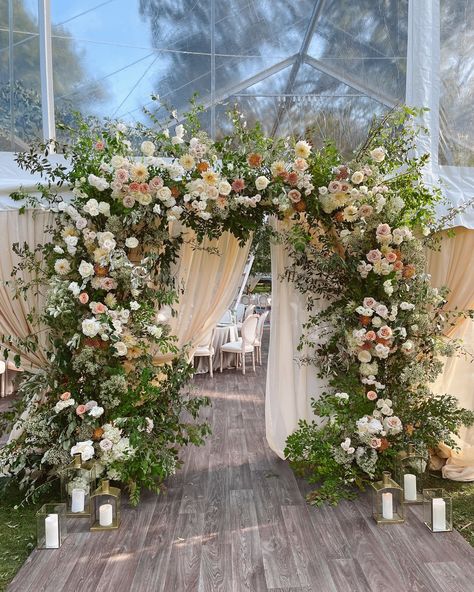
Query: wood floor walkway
[{"x": 234, "y": 519}]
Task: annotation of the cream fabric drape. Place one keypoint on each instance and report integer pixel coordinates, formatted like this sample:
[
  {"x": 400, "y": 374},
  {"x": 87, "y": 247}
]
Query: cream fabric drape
[
  {"x": 29, "y": 227},
  {"x": 452, "y": 266},
  {"x": 290, "y": 385},
  {"x": 210, "y": 280}
]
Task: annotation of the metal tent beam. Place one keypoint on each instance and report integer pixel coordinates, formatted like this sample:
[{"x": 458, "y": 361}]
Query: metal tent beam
[
  {"x": 350, "y": 81},
  {"x": 240, "y": 86},
  {"x": 318, "y": 6}
]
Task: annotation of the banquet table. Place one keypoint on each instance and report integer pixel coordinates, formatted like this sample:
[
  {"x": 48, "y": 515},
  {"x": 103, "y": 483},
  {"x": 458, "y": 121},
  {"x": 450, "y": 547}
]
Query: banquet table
[{"x": 223, "y": 333}]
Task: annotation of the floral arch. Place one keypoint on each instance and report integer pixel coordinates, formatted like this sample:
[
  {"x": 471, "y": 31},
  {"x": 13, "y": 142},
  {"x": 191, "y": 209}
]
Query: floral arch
[{"x": 114, "y": 385}]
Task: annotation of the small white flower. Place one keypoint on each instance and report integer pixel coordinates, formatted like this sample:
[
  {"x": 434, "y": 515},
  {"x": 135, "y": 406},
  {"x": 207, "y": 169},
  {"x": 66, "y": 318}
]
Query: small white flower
[
  {"x": 59, "y": 250},
  {"x": 154, "y": 331},
  {"x": 406, "y": 306},
  {"x": 149, "y": 425},
  {"x": 106, "y": 444},
  {"x": 134, "y": 305}
]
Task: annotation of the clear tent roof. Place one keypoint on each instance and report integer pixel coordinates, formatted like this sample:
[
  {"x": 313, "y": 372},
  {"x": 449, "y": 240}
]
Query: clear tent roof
[{"x": 329, "y": 64}]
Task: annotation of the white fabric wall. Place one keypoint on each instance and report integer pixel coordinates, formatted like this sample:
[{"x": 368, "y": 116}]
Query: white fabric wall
[{"x": 290, "y": 385}]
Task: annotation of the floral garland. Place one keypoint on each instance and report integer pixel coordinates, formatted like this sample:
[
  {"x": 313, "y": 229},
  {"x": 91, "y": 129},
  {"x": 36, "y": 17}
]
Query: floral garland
[{"x": 114, "y": 389}]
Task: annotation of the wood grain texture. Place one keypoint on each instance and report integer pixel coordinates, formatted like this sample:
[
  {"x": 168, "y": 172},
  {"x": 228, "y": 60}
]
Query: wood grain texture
[{"x": 234, "y": 519}]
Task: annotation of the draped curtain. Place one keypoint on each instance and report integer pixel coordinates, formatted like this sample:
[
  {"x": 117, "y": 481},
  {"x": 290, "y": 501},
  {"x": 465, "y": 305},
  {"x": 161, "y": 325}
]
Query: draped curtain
[
  {"x": 290, "y": 385},
  {"x": 209, "y": 275},
  {"x": 452, "y": 266},
  {"x": 29, "y": 228}
]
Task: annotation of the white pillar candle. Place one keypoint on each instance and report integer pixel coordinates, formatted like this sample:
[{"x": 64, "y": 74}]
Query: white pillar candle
[
  {"x": 439, "y": 514},
  {"x": 51, "y": 529},
  {"x": 78, "y": 500},
  {"x": 409, "y": 487},
  {"x": 387, "y": 506},
  {"x": 105, "y": 515}
]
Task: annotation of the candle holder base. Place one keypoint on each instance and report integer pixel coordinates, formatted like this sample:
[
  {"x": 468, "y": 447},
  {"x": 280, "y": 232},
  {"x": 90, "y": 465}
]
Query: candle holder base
[
  {"x": 419, "y": 500},
  {"x": 397, "y": 519}
]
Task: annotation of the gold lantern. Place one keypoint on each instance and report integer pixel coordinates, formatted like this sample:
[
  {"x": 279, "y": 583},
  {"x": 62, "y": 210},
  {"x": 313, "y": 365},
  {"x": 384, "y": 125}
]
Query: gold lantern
[
  {"x": 105, "y": 507},
  {"x": 411, "y": 470},
  {"x": 51, "y": 527},
  {"x": 78, "y": 480},
  {"x": 437, "y": 510},
  {"x": 387, "y": 501}
]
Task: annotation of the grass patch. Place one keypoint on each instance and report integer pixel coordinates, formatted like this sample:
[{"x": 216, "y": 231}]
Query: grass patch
[
  {"x": 17, "y": 529},
  {"x": 463, "y": 503}
]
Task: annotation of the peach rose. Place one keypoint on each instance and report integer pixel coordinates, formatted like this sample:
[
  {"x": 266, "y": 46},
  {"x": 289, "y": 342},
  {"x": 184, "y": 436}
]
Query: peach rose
[
  {"x": 384, "y": 332},
  {"x": 370, "y": 336},
  {"x": 81, "y": 409},
  {"x": 365, "y": 211},
  {"x": 294, "y": 195},
  {"x": 65, "y": 396},
  {"x": 300, "y": 164},
  {"x": 371, "y": 395},
  {"x": 391, "y": 257},
  {"x": 334, "y": 186},
  {"x": 398, "y": 266},
  {"x": 292, "y": 178},
  {"x": 134, "y": 186},
  {"x": 383, "y": 230},
  {"x": 238, "y": 185},
  {"x": 409, "y": 271},
  {"x": 375, "y": 443},
  {"x": 99, "y": 308},
  {"x": 374, "y": 255},
  {"x": 369, "y": 302},
  {"x": 156, "y": 183},
  {"x": 83, "y": 298}
]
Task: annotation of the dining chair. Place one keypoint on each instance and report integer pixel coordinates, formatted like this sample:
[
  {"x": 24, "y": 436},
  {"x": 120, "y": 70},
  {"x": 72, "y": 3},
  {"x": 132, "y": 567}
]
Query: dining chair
[
  {"x": 259, "y": 336},
  {"x": 206, "y": 350},
  {"x": 226, "y": 318},
  {"x": 244, "y": 345}
]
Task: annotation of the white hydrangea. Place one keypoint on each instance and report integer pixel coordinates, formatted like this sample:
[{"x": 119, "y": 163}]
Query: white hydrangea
[
  {"x": 85, "y": 449},
  {"x": 98, "y": 182}
]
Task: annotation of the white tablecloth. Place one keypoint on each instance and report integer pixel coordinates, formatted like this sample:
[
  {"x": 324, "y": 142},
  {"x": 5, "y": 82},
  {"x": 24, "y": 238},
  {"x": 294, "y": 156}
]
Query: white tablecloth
[{"x": 222, "y": 334}]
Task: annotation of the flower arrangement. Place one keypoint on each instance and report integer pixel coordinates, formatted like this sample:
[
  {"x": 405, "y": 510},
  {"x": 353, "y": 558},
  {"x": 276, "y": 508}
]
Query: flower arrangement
[
  {"x": 384, "y": 339},
  {"x": 114, "y": 388},
  {"x": 109, "y": 392}
]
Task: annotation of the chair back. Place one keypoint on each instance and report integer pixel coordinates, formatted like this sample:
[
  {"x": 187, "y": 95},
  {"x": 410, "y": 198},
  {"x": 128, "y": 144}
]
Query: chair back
[
  {"x": 245, "y": 300},
  {"x": 263, "y": 301},
  {"x": 249, "y": 329},
  {"x": 249, "y": 311},
  {"x": 239, "y": 312},
  {"x": 261, "y": 324},
  {"x": 226, "y": 317},
  {"x": 208, "y": 340}
]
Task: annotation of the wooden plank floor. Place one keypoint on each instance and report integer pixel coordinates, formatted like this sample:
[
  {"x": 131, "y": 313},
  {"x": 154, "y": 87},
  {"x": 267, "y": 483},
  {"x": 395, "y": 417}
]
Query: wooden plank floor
[{"x": 234, "y": 519}]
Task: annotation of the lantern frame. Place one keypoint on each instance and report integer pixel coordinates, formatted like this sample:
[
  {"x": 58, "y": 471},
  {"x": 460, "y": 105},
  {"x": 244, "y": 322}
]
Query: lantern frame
[
  {"x": 437, "y": 493},
  {"x": 57, "y": 531},
  {"x": 412, "y": 462},
  {"x": 105, "y": 494},
  {"x": 385, "y": 486},
  {"x": 82, "y": 474}
]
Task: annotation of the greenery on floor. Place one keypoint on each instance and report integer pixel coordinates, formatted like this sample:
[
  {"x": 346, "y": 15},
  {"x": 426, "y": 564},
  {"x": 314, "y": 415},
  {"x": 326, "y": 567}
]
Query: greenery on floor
[
  {"x": 17, "y": 530},
  {"x": 463, "y": 503}
]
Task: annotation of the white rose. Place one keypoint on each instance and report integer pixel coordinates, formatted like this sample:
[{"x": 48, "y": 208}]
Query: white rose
[
  {"x": 117, "y": 161},
  {"x": 407, "y": 346},
  {"x": 131, "y": 242},
  {"x": 120, "y": 348},
  {"x": 96, "y": 411},
  {"x": 364, "y": 356},
  {"x": 378, "y": 154},
  {"x": 106, "y": 444},
  {"x": 85, "y": 449},
  {"x": 357, "y": 177},
  {"x": 163, "y": 194},
  {"x": 261, "y": 183},
  {"x": 90, "y": 327},
  {"x": 147, "y": 148},
  {"x": 86, "y": 269},
  {"x": 71, "y": 241},
  {"x": 74, "y": 288},
  {"x": 98, "y": 182},
  {"x": 224, "y": 188},
  {"x": 104, "y": 208}
]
